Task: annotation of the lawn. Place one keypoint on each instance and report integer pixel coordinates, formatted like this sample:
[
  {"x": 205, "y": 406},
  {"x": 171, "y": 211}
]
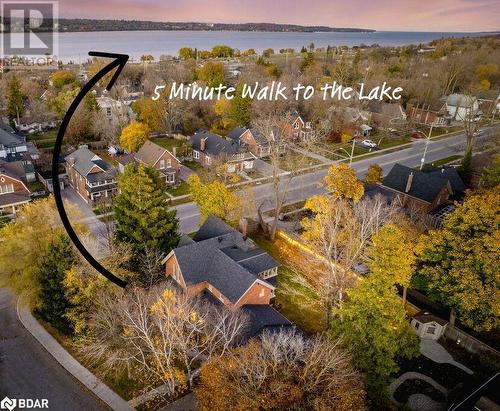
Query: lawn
[
  {"x": 106, "y": 157},
  {"x": 295, "y": 301},
  {"x": 193, "y": 165},
  {"x": 181, "y": 189},
  {"x": 170, "y": 143}
]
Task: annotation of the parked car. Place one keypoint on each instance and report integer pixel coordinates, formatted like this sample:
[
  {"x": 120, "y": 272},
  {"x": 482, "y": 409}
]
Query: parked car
[
  {"x": 416, "y": 134},
  {"x": 369, "y": 143}
]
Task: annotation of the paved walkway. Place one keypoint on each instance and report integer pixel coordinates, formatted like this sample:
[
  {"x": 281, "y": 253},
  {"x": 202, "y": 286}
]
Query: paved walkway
[
  {"x": 410, "y": 375},
  {"x": 265, "y": 168},
  {"x": 421, "y": 402},
  {"x": 89, "y": 380},
  {"x": 437, "y": 353}
]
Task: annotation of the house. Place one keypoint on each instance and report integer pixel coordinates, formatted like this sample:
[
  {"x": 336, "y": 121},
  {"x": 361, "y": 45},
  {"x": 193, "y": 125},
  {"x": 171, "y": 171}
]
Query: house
[
  {"x": 428, "y": 326},
  {"x": 460, "y": 107},
  {"x": 301, "y": 129},
  {"x": 14, "y": 191},
  {"x": 153, "y": 155},
  {"x": 427, "y": 114},
  {"x": 160, "y": 158},
  {"x": 257, "y": 143},
  {"x": 226, "y": 267},
  {"x": 115, "y": 111},
  {"x": 210, "y": 149},
  {"x": 90, "y": 176},
  {"x": 385, "y": 114},
  {"x": 423, "y": 191},
  {"x": 12, "y": 146}
]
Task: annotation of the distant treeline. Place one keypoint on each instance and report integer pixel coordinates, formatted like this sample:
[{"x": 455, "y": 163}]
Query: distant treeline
[{"x": 72, "y": 25}]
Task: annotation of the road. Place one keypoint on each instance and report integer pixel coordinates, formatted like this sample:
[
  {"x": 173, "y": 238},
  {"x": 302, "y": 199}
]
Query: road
[
  {"x": 28, "y": 371},
  {"x": 306, "y": 185}
]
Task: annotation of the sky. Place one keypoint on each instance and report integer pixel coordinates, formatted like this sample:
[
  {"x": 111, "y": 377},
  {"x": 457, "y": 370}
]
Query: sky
[{"x": 404, "y": 15}]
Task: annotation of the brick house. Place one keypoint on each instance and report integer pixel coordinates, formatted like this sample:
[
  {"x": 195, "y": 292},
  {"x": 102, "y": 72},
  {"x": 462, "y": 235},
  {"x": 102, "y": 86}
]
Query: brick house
[
  {"x": 161, "y": 159},
  {"x": 301, "y": 129},
  {"x": 423, "y": 191},
  {"x": 427, "y": 114},
  {"x": 14, "y": 192},
  {"x": 257, "y": 144},
  {"x": 225, "y": 267},
  {"x": 210, "y": 149},
  {"x": 90, "y": 176}
]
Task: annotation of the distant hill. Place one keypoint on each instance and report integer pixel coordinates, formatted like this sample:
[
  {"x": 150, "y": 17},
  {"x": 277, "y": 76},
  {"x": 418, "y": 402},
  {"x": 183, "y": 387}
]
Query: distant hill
[{"x": 72, "y": 25}]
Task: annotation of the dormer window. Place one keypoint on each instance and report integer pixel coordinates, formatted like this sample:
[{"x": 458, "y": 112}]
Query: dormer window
[{"x": 296, "y": 125}]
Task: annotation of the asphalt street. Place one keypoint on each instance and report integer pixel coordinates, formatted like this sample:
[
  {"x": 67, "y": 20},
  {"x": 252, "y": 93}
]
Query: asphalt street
[{"x": 27, "y": 370}]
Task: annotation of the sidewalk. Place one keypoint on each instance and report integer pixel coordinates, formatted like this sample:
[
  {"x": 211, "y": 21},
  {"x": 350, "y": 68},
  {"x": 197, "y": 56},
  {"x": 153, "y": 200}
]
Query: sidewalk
[{"x": 89, "y": 380}]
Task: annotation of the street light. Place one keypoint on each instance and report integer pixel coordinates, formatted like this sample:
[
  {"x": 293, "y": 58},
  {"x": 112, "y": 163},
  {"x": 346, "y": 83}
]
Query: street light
[{"x": 428, "y": 137}]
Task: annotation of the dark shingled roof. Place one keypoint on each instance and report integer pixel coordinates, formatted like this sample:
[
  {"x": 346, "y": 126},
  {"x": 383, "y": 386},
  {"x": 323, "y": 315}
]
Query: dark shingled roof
[
  {"x": 451, "y": 174},
  {"x": 220, "y": 255},
  {"x": 264, "y": 317},
  {"x": 14, "y": 198},
  {"x": 8, "y": 137},
  {"x": 236, "y": 133},
  {"x": 424, "y": 186},
  {"x": 215, "y": 145}
]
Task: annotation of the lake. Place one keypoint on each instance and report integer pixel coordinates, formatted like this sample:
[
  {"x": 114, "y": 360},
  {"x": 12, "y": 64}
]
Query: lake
[{"x": 75, "y": 46}]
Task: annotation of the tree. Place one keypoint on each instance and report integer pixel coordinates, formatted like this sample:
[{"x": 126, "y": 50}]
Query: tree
[
  {"x": 15, "y": 100},
  {"x": 143, "y": 218},
  {"x": 222, "y": 50},
  {"x": 212, "y": 73},
  {"x": 372, "y": 325},
  {"x": 61, "y": 102},
  {"x": 159, "y": 335},
  {"x": 458, "y": 264},
  {"x": 374, "y": 174},
  {"x": 62, "y": 77},
  {"x": 267, "y": 52},
  {"x": 216, "y": 199},
  {"x": 186, "y": 53},
  {"x": 50, "y": 272},
  {"x": 342, "y": 182},
  {"x": 239, "y": 109},
  {"x": 26, "y": 239},
  {"x": 391, "y": 254},
  {"x": 281, "y": 371},
  {"x": 337, "y": 237},
  {"x": 490, "y": 176},
  {"x": 249, "y": 52},
  {"x": 133, "y": 136}
]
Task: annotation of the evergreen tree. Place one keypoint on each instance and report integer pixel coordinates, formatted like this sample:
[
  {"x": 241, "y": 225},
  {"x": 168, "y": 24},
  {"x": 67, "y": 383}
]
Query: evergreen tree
[
  {"x": 53, "y": 303},
  {"x": 15, "y": 100},
  {"x": 142, "y": 213},
  {"x": 239, "y": 111}
]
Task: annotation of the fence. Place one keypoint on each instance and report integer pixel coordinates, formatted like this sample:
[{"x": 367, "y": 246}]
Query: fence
[{"x": 470, "y": 343}]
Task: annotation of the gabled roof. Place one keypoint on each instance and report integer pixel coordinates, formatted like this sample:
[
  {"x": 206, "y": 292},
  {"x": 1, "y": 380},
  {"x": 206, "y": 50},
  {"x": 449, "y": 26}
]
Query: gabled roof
[
  {"x": 264, "y": 317},
  {"x": 460, "y": 100},
  {"x": 8, "y": 137},
  {"x": 236, "y": 133},
  {"x": 451, "y": 174},
  {"x": 221, "y": 256},
  {"x": 85, "y": 160},
  {"x": 424, "y": 186},
  {"x": 215, "y": 145},
  {"x": 16, "y": 170},
  {"x": 150, "y": 153}
]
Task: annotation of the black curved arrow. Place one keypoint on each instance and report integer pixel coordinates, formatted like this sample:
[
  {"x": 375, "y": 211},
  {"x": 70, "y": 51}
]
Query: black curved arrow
[{"x": 119, "y": 62}]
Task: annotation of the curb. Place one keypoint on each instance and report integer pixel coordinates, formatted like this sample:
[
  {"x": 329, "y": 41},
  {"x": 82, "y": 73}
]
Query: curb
[{"x": 89, "y": 380}]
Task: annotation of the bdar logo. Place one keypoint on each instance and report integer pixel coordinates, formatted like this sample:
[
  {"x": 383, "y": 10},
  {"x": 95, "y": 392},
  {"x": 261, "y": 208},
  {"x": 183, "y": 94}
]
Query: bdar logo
[{"x": 8, "y": 404}]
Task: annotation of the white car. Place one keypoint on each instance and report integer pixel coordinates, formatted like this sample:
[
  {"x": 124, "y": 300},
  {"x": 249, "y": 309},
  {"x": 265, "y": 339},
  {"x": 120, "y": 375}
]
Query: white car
[{"x": 368, "y": 143}]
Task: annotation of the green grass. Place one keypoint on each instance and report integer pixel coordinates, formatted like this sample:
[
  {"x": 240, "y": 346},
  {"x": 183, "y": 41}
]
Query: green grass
[
  {"x": 392, "y": 142},
  {"x": 193, "y": 165},
  {"x": 180, "y": 190},
  {"x": 294, "y": 300},
  {"x": 106, "y": 157},
  {"x": 443, "y": 161},
  {"x": 170, "y": 143},
  {"x": 35, "y": 186}
]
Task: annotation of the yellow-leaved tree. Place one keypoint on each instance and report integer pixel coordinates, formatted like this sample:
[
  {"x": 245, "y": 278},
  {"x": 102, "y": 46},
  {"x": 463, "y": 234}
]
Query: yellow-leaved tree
[
  {"x": 342, "y": 182},
  {"x": 216, "y": 199},
  {"x": 133, "y": 136}
]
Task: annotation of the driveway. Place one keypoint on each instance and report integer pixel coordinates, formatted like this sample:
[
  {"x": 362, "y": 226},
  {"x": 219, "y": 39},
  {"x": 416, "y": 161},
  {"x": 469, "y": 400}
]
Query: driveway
[
  {"x": 28, "y": 371},
  {"x": 185, "y": 173}
]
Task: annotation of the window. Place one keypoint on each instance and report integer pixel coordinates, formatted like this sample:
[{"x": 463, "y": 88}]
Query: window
[
  {"x": 196, "y": 154},
  {"x": 6, "y": 188},
  {"x": 262, "y": 292},
  {"x": 417, "y": 325},
  {"x": 208, "y": 160},
  {"x": 308, "y": 124},
  {"x": 169, "y": 163},
  {"x": 170, "y": 178},
  {"x": 431, "y": 330},
  {"x": 296, "y": 125},
  {"x": 162, "y": 164}
]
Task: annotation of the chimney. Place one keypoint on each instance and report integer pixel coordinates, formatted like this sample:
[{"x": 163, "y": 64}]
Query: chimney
[
  {"x": 408, "y": 183},
  {"x": 243, "y": 227},
  {"x": 202, "y": 144}
]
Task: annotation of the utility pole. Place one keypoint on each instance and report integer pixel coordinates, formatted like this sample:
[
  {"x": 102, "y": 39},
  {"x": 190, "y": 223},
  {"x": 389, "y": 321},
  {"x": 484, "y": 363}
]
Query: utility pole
[
  {"x": 422, "y": 161},
  {"x": 352, "y": 151}
]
